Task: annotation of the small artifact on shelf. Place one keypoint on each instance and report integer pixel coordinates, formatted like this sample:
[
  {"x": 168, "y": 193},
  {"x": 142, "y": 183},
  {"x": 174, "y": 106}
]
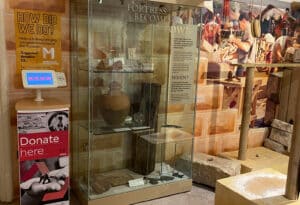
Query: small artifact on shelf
[
  {"x": 118, "y": 65},
  {"x": 101, "y": 65},
  {"x": 166, "y": 178},
  {"x": 101, "y": 186},
  {"x": 178, "y": 174},
  {"x": 105, "y": 64},
  {"x": 114, "y": 105},
  {"x": 103, "y": 182},
  {"x": 153, "y": 180}
]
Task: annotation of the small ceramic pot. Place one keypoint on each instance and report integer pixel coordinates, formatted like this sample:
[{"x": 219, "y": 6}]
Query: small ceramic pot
[{"x": 114, "y": 105}]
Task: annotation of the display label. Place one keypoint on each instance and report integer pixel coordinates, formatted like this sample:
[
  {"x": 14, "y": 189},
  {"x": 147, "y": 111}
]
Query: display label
[
  {"x": 43, "y": 147},
  {"x": 182, "y": 63},
  {"x": 38, "y": 40},
  {"x": 136, "y": 182}
]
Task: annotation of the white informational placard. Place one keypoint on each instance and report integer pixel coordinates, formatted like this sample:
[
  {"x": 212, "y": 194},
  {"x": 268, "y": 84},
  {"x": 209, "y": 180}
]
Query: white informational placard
[
  {"x": 136, "y": 182},
  {"x": 182, "y": 63}
]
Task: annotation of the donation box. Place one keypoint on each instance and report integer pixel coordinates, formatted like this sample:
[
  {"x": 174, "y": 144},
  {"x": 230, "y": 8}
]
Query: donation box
[{"x": 43, "y": 151}]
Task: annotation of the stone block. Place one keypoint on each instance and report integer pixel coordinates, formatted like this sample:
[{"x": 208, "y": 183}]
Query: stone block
[
  {"x": 260, "y": 158},
  {"x": 230, "y": 142},
  {"x": 221, "y": 122},
  {"x": 207, "y": 169},
  {"x": 275, "y": 146},
  {"x": 260, "y": 187},
  {"x": 208, "y": 145},
  {"x": 282, "y": 125},
  {"x": 209, "y": 97},
  {"x": 281, "y": 137},
  {"x": 256, "y": 136}
]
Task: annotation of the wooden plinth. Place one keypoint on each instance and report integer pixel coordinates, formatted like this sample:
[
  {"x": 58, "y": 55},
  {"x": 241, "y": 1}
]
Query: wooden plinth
[
  {"x": 143, "y": 194},
  {"x": 47, "y": 104},
  {"x": 262, "y": 187},
  {"x": 260, "y": 158}
]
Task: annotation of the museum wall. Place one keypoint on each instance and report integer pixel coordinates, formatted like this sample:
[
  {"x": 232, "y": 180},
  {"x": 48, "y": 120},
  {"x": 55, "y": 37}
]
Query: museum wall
[
  {"x": 11, "y": 89},
  {"x": 218, "y": 106}
]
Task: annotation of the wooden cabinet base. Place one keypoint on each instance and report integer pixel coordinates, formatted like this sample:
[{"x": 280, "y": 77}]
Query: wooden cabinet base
[{"x": 139, "y": 195}]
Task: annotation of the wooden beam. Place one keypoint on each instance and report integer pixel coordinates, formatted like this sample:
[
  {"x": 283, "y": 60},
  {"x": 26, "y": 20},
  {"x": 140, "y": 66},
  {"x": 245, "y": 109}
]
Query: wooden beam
[{"x": 292, "y": 184}]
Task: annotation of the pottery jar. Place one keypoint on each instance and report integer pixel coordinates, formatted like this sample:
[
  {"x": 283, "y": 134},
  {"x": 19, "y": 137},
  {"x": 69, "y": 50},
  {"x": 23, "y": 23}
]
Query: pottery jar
[{"x": 114, "y": 105}]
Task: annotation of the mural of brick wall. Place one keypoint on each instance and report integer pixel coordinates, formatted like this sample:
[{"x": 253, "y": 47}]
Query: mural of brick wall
[
  {"x": 218, "y": 116},
  {"x": 202, "y": 70},
  {"x": 228, "y": 142},
  {"x": 209, "y": 97}
]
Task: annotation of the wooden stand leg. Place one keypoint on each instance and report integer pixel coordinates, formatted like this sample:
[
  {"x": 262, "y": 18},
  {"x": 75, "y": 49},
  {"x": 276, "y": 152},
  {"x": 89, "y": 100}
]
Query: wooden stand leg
[{"x": 246, "y": 113}]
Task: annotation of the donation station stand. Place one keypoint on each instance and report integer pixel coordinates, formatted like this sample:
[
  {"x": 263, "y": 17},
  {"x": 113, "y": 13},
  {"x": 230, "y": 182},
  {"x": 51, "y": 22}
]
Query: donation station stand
[{"x": 43, "y": 142}]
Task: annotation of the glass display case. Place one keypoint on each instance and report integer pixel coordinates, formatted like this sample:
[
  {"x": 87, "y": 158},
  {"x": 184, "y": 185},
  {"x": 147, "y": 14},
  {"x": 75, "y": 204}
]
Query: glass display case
[{"x": 134, "y": 67}]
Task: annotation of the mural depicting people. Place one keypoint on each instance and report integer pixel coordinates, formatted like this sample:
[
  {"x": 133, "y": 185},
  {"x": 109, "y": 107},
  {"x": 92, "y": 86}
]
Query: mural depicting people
[
  {"x": 243, "y": 44},
  {"x": 212, "y": 31}
]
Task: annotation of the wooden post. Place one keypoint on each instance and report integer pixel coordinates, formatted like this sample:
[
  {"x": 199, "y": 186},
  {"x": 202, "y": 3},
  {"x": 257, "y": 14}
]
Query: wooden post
[
  {"x": 292, "y": 183},
  {"x": 6, "y": 159},
  {"x": 246, "y": 113}
]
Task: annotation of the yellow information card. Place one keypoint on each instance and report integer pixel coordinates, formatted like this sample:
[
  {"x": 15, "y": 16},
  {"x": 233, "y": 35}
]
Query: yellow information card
[{"x": 38, "y": 40}]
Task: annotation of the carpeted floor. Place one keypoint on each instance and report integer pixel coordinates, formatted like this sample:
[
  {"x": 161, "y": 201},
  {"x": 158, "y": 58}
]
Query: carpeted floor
[{"x": 199, "y": 195}]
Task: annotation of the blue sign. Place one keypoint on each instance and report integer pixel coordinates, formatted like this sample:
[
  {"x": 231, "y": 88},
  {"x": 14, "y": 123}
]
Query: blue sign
[{"x": 40, "y": 79}]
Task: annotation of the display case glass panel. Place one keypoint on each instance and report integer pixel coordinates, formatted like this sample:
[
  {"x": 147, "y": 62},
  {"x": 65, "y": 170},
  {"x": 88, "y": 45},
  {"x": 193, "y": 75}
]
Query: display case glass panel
[{"x": 134, "y": 68}]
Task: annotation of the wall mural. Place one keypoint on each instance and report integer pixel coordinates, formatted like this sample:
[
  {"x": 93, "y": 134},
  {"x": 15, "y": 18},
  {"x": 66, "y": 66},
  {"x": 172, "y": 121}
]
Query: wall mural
[{"x": 231, "y": 34}]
